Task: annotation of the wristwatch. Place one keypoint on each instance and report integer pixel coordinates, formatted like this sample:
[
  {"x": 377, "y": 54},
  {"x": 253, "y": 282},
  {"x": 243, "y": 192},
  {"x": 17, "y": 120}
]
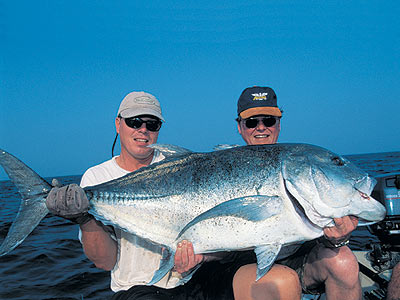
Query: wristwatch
[{"x": 327, "y": 243}]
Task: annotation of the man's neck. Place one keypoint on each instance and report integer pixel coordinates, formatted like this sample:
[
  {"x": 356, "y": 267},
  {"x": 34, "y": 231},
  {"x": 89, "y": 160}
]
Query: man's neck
[{"x": 130, "y": 163}]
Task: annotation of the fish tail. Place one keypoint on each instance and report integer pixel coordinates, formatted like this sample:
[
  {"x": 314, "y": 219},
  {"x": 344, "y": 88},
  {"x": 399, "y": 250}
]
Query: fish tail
[{"x": 33, "y": 190}]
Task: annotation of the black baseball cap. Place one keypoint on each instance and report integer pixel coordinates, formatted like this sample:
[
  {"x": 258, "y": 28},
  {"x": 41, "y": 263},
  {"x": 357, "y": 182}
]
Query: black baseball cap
[{"x": 258, "y": 100}]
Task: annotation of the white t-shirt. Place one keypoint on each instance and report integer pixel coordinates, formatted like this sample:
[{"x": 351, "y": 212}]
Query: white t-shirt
[{"x": 137, "y": 259}]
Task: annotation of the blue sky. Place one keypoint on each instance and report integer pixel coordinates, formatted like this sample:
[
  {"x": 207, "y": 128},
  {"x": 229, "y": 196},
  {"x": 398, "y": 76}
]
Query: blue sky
[{"x": 66, "y": 65}]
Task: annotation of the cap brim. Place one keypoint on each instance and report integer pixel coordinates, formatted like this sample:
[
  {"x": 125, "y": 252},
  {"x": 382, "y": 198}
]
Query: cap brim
[
  {"x": 254, "y": 111},
  {"x": 129, "y": 113}
]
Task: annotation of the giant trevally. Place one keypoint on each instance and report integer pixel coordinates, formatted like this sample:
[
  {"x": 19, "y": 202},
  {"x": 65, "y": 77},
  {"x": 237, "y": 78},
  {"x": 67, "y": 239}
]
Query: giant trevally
[{"x": 252, "y": 197}]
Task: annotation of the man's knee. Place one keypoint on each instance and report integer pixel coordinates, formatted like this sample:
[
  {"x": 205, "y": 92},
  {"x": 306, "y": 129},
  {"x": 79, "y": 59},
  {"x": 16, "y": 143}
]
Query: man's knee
[
  {"x": 284, "y": 278},
  {"x": 280, "y": 282},
  {"x": 279, "y": 274},
  {"x": 343, "y": 265}
]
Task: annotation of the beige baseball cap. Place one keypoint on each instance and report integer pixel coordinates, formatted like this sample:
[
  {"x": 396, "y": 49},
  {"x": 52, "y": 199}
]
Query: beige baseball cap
[{"x": 140, "y": 103}]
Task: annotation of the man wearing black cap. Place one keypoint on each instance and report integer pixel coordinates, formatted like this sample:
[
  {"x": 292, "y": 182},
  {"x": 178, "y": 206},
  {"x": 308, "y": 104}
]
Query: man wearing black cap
[
  {"x": 324, "y": 265},
  {"x": 254, "y": 111}
]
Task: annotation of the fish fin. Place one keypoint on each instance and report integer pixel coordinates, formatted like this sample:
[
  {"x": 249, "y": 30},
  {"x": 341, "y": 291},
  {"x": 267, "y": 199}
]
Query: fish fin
[
  {"x": 33, "y": 190},
  {"x": 170, "y": 151},
  {"x": 252, "y": 208},
  {"x": 266, "y": 256},
  {"x": 224, "y": 147},
  {"x": 166, "y": 264},
  {"x": 188, "y": 275},
  {"x": 362, "y": 222}
]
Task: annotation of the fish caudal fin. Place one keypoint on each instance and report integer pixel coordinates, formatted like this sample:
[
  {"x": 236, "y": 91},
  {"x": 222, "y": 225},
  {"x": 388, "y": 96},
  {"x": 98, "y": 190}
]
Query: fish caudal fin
[{"x": 33, "y": 190}]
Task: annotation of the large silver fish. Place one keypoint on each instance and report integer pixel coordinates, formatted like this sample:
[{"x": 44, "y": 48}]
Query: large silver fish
[{"x": 252, "y": 197}]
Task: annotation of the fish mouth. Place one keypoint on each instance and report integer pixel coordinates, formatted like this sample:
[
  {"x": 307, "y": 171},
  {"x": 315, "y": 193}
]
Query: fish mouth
[{"x": 362, "y": 194}]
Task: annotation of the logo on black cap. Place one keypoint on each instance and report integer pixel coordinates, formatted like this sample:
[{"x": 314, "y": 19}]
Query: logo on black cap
[{"x": 260, "y": 96}]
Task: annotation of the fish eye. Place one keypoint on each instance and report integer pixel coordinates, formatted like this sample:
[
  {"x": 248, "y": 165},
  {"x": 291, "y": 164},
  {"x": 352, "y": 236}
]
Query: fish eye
[{"x": 338, "y": 161}]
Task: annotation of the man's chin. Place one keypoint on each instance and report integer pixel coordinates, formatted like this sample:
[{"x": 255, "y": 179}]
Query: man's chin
[{"x": 261, "y": 141}]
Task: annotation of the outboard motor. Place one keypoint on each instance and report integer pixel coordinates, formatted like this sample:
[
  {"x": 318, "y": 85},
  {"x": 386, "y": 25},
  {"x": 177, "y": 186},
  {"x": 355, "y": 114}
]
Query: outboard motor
[
  {"x": 387, "y": 191},
  {"x": 386, "y": 254}
]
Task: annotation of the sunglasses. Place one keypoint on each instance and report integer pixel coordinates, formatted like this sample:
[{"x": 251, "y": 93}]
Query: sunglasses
[
  {"x": 136, "y": 123},
  {"x": 253, "y": 122}
]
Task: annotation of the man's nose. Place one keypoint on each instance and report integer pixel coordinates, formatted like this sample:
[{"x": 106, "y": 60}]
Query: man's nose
[
  {"x": 142, "y": 128},
  {"x": 260, "y": 125}
]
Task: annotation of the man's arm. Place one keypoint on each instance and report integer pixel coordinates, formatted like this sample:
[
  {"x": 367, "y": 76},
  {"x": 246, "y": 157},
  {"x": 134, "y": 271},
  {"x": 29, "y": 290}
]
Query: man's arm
[
  {"x": 71, "y": 203},
  {"x": 342, "y": 230},
  {"x": 98, "y": 245},
  {"x": 185, "y": 259}
]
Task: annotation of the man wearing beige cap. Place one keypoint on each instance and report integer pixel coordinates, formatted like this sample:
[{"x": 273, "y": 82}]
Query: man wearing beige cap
[
  {"x": 131, "y": 261},
  {"x": 139, "y": 119},
  {"x": 324, "y": 265}
]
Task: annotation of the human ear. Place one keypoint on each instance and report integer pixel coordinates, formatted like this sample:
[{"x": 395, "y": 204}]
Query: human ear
[{"x": 117, "y": 124}]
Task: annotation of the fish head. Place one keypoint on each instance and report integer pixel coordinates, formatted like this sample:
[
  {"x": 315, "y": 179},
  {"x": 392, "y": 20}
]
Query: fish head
[{"x": 329, "y": 186}]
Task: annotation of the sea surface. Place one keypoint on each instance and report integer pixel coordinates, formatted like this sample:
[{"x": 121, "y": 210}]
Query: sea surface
[{"x": 50, "y": 263}]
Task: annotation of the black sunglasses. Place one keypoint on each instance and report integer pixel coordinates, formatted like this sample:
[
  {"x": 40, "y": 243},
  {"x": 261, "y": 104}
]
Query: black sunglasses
[
  {"x": 136, "y": 123},
  {"x": 253, "y": 122}
]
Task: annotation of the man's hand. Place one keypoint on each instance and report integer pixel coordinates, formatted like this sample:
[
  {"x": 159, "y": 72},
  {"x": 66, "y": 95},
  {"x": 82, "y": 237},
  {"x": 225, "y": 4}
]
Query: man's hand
[
  {"x": 185, "y": 259},
  {"x": 342, "y": 230},
  {"x": 69, "y": 202}
]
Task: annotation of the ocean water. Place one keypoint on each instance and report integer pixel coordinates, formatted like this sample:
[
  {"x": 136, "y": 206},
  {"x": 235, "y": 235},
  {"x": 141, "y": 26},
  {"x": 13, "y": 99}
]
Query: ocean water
[{"x": 50, "y": 263}]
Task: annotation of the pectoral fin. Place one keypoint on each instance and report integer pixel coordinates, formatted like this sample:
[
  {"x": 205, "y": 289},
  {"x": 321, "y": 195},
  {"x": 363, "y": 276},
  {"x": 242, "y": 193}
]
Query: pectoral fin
[
  {"x": 252, "y": 208},
  {"x": 266, "y": 256}
]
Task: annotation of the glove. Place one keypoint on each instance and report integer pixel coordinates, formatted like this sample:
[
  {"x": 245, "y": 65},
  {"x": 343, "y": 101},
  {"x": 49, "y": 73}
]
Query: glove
[{"x": 69, "y": 202}]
